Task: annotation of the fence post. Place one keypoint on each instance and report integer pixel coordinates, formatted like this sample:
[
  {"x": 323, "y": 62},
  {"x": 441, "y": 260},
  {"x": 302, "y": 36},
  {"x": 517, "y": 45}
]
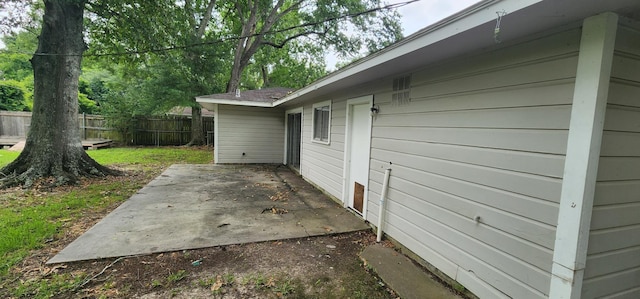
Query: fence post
[{"x": 84, "y": 126}]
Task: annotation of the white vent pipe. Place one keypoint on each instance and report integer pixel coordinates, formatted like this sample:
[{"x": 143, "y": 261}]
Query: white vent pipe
[{"x": 383, "y": 195}]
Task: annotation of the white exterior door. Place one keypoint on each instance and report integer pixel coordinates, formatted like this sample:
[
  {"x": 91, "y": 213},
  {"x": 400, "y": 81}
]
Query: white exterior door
[{"x": 357, "y": 153}]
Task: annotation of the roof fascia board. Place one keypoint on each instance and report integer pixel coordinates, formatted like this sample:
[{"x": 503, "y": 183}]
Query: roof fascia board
[
  {"x": 236, "y": 103},
  {"x": 474, "y": 16}
]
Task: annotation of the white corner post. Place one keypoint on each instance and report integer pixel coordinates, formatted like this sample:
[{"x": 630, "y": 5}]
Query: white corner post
[
  {"x": 583, "y": 154},
  {"x": 216, "y": 122}
]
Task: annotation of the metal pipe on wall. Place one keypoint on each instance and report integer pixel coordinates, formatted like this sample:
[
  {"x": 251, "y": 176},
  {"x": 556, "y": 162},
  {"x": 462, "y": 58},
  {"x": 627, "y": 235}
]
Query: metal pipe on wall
[{"x": 383, "y": 195}]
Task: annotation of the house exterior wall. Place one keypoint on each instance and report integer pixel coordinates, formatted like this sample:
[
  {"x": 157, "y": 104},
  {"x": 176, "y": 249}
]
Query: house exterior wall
[
  {"x": 477, "y": 163},
  {"x": 613, "y": 261},
  {"x": 257, "y": 132},
  {"x": 322, "y": 163}
]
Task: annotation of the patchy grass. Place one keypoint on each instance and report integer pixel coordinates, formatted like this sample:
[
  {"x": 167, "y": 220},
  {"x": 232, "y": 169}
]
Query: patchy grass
[{"x": 31, "y": 219}]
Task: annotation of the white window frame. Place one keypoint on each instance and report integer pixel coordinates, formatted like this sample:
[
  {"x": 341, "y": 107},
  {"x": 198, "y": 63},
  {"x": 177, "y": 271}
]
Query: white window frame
[{"x": 313, "y": 123}]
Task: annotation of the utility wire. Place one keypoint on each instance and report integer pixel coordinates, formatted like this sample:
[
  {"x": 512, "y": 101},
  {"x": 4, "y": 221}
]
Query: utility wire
[{"x": 222, "y": 40}]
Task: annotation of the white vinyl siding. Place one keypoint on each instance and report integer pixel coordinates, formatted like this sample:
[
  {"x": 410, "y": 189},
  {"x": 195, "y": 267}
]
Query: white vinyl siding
[
  {"x": 322, "y": 163},
  {"x": 257, "y": 132},
  {"x": 613, "y": 261},
  {"x": 483, "y": 138}
]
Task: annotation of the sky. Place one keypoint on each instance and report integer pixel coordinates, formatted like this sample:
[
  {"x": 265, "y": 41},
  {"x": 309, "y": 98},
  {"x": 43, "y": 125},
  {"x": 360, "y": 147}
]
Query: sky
[
  {"x": 423, "y": 13},
  {"x": 420, "y": 14}
]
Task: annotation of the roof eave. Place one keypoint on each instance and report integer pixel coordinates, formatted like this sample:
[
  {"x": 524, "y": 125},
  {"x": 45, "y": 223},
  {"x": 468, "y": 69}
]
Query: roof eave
[
  {"x": 473, "y": 16},
  {"x": 234, "y": 102}
]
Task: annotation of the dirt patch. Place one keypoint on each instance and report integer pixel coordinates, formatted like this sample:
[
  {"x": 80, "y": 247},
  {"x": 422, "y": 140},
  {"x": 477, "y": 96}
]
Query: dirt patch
[{"x": 316, "y": 267}]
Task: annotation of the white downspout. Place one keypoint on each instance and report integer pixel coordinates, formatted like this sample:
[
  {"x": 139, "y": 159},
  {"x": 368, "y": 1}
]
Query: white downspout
[{"x": 383, "y": 194}]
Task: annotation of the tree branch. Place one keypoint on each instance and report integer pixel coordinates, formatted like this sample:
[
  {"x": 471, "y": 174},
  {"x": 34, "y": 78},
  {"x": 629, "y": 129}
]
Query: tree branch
[
  {"x": 205, "y": 19},
  {"x": 188, "y": 7},
  {"x": 288, "y": 39},
  {"x": 99, "y": 273},
  {"x": 268, "y": 23},
  {"x": 289, "y": 9},
  {"x": 240, "y": 12},
  {"x": 273, "y": 17},
  {"x": 101, "y": 10}
]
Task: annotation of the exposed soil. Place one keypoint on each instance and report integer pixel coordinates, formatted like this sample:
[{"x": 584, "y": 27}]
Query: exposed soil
[{"x": 315, "y": 267}]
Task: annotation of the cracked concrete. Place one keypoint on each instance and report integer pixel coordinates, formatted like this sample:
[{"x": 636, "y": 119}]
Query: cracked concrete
[{"x": 197, "y": 206}]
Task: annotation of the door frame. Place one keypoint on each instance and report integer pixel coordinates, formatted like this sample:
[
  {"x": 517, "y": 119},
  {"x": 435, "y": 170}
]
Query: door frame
[
  {"x": 368, "y": 99},
  {"x": 286, "y": 133}
]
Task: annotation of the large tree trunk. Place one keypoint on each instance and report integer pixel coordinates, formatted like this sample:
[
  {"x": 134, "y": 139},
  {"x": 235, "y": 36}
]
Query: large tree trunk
[
  {"x": 234, "y": 80},
  {"x": 237, "y": 67},
  {"x": 197, "y": 134},
  {"x": 54, "y": 148}
]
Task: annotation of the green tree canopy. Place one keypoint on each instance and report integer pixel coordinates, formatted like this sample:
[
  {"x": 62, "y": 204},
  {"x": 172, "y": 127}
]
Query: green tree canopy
[
  {"x": 193, "y": 47},
  {"x": 16, "y": 71},
  {"x": 13, "y": 96}
]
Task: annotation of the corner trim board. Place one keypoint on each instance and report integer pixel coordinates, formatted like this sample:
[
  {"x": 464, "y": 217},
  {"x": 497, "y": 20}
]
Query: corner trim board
[{"x": 583, "y": 154}]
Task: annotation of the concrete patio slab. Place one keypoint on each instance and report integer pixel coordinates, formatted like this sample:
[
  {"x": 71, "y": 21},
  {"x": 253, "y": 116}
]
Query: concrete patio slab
[{"x": 198, "y": 206}]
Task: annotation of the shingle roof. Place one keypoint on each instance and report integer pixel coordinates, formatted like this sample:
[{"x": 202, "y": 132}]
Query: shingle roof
[{"x": 266, "y": 95}]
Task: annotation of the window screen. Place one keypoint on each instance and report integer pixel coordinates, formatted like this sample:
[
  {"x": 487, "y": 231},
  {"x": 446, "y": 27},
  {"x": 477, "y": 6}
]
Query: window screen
[{"x": 321, "y": 122}]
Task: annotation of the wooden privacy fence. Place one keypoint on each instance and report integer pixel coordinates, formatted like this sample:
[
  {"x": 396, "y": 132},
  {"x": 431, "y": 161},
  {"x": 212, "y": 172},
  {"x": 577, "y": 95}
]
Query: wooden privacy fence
[
  {"x": 168, "y": 130},
  {"x": 165, "y": 130},
  {"x": 95, "y": 127},
  {"x": 14, "y": 124}
]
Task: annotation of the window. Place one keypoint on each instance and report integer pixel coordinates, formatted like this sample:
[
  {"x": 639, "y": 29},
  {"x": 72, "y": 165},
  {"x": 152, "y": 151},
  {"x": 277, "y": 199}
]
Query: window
[
  {"x": 401, "y": 89},
  {"x": 322, "y": 122}
]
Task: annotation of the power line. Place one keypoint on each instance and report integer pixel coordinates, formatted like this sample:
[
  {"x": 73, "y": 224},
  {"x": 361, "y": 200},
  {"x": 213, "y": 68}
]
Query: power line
[{"x": 222, "y": 40}]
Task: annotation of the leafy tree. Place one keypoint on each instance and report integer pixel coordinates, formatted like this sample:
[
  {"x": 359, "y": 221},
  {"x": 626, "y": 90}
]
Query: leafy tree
[
  {"x": 202, "y": 39},
  {"x": 185, "y": 39},
  {"x": 323, "y": 24},
  {"x": 12, "y": 96},
  {"x": 119, "y": 111},
  {"x": 287, "y": 67},
  {"x": 86, "y": 105},
  {"x": 53, "y": 147},
  {"x": 16, "y": 75},
  {"x": 15, "y": 65},
  {"x": 176, "y": 76}
]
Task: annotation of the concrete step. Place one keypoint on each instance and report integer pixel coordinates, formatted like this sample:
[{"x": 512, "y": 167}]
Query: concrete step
[{"x": 403, "y": 276}]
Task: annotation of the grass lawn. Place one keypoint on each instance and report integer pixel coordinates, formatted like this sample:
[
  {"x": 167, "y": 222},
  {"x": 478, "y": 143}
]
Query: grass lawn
[{"x": 32, "y": 219}]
